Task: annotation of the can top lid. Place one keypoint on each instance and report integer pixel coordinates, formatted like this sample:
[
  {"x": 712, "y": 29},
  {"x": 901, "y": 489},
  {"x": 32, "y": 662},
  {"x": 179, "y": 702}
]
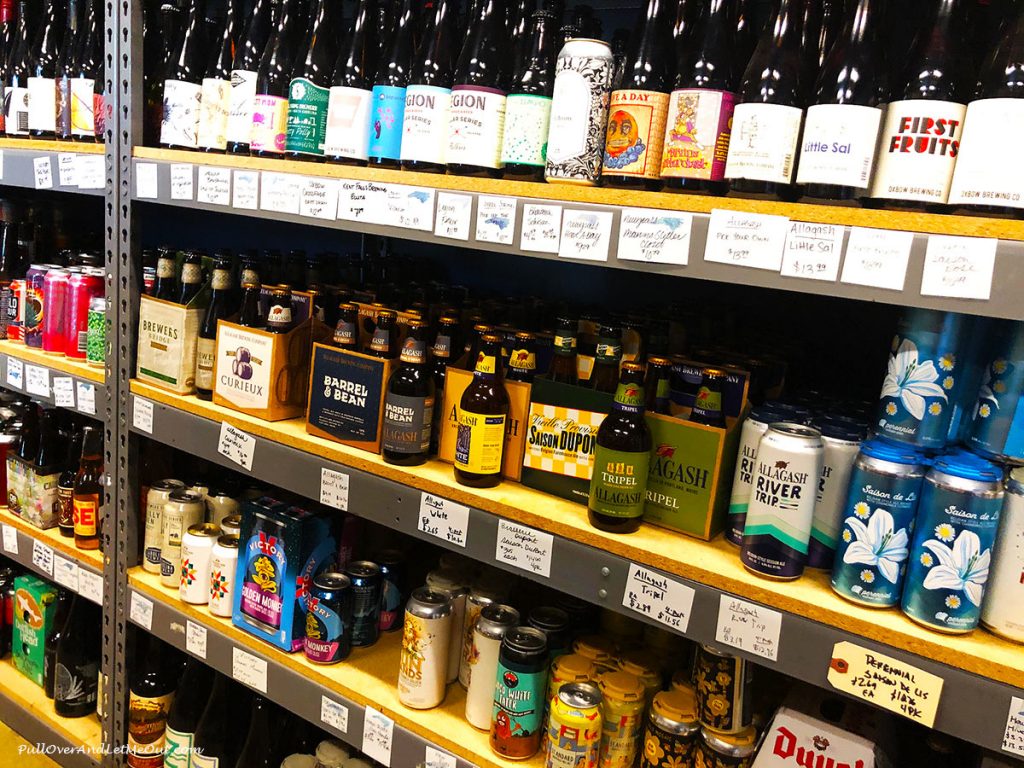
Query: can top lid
[
  {"x": 767, "y": 413},
  {"x": 621, "y": 685},
  {"x": 332, "y": 752},
  {"x": 549, "y": 618},
  {"x": 234, "y": 519},
  {"x": 795, "y": 430},
  {"x": 574, "y": 665},
  {"x": 229, "y": 540},
  {"x": 595, "y": 647},
  {"x": 681, "y": 682},
  {"x": 877, "y": 448},
  {"x": 303, "y": 761},
  {"x": 840, "y": 427},
  {"x": 205, "y": 529},
  {"x": 436, "y": 602},
  {"x": 636, "y": 662},
  {"x": 582, "y": 695},
  {"x": 679, "y": 705},
  {"x": 388, "y": 557},
  {"x": 738, "y": 744},
  {"x": 962, "y": 463},
  {"x": 190, "y": 497},
  {"x": 331, "y": 580},
  {"x": 525, "y": 639},
  {"x": 789, "y": 406},
  {"x": 496, "y": 619},
  {"x": 446, "y": 578},
  {"x": 166, "y": 485},
  {"x": 362, "y": 568}
]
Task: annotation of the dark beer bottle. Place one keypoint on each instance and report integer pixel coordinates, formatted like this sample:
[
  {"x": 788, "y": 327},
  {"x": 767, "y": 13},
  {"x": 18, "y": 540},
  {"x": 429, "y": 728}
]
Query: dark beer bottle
[
  {"x": 837, "y": 154},
  {"x": 309, "y": 91},
  {"x": 279, "y": 311},
  {"x": 483, "y": 415},
  {"x": 221, "y": 307},
  {"x": 387, "y": 111},
  {"x": 260, "y": 747},
  {"x": 66, "y": 64},
  {"x": 446, "y": 339},
  {"x": 215, "y": 737},
  {"x": 522, "y": 363},
  {"x": 8, "y": 42},
  {"x": 16, "y": 85},
  {"x": 563, "y": 362},
  {"x": 658, "y": 385},
  {"x": 183, "y": 84},
  {"x": 191, "y": 278},
  {"x": 88, "y": 494},
  {"x": 77, "y": 661},
  {"x": 346, "y": 333},
  {"x": 473, "y": 344},
  {"x": 66, "y": 487},
  {"x": 166, "y": 287},
  {"x": 251, "y": 313},
  {"x": 186, "y": 709},
  {"x": 528, "y": 106},
  {"x": 87, "y": 108},
  {"x": 347, "y": 139},
  {"x": 60, "y": 618},
  {"x": 42, "y": 74},
  {"x": 151, "y": 691},
  {"x": 618, "y": 486},
  {"x": 639, "y": 106},
  {"x": 766, "y": 122},
  {"x": 605, "y": 377},
  {"x": 270, "y": 105},
  {"x": 215, "y": 94},
  {"x": 384, "y": 342},
  {"x": 707, "y": 405},
  {"x": 248, "y": 52},
  {"x": 409, "y": 403}
]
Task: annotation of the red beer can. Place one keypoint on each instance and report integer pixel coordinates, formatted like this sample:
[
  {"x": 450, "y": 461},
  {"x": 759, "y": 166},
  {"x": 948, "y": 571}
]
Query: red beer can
[
  {"x": 83, "y": 287},
  {"x": 55, "y": 299},
  {"x": 15, "y": 311}
]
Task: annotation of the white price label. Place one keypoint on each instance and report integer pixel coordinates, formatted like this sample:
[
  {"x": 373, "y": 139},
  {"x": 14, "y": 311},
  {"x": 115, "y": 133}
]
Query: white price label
[
  {"x": 64, "y": 391},
  {"x": 86, "y": 397},
  {"x": 959, "y": 267},
  {"x": 195, "y": 639},
  {"x": 15, "y": 373},
  {"x": 142, "y": 415},
  {"x": 280, "y": 192},
  {"x": 43, "y": 171},
  {"x": 749, "y": 627},
  {"x": 753, "y": 240},
  {"x": 319, "y": 199},
  {"x": 877, "y": 258},
  {"x": 334, "y": 489},
  {"x": 181, "y": 181},
  {"x": 249, "y": 670},
  {"x": 378, "y": 730},
  {"x": 410, "y": 207},
  {"x": 496, "y": 219},
  {"x": 37, "y": 380},
  {"x": 333, "y": 714},
  {"x": 146, "y": 184},
  {"x": 1013, "y": 735},
  {"x": 657, "y": 237},
  {"x": 444, "y": 519},
  {"x": 65, "y": 572},
  {"x": 813, "y": 251},
  {"x": 236, "y": 445},
  {"x": 10, "y": 534},
  {"x": 524, "y": 547},
  {"x": 67, "y": 169},
  {"x": 364, "y": 201},
  {"x": 453, "y": 215},
  {"x": 140, "y": 611},
  {"x": 90, "y": 585},
  {"x": 214, "y": 185},
  {"x": 658, "y": 597},
  {"x": 435, "y": 758},
  {"x": 42, "y": 558},
  {"x": 245, "y": 192},
  {"x": 91, "y": 171},
  {"x": 542, "y": 228},
  {"x": 586, "y": 235}
]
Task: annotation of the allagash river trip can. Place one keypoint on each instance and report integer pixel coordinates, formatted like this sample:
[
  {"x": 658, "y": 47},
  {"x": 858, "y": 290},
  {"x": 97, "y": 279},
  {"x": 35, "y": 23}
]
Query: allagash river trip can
[
  {"x": 841, "y": 439},
  {"x": 754, "y": 427}
]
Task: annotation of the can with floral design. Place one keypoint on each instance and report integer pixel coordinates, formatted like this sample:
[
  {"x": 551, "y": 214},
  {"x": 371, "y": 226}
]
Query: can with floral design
[
  {"x": 877, "y": 523},
  {"x": 920, "y": 386},
  {"x": 672, "y": 730},
  {"x": 724, "y": 750},
  {"x": 957, "y": 523},
  {"x": 723, "y": 683},
  {"x": 997, "y": 429}
]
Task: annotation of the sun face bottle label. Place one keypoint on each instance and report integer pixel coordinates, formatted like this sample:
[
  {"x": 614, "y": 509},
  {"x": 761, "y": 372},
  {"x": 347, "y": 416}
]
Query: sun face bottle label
[{"x": 635, "y": 133}]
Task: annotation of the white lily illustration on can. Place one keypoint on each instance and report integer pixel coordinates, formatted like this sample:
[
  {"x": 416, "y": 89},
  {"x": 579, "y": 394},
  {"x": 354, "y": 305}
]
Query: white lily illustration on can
[
  {"x": 910, "y": 380},
  {"x": 962, "y": 567},
  {"x": 877, "y": 544}
]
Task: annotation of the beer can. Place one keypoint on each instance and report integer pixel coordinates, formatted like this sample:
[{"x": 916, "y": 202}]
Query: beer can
[
  {"x": 877, "y": 522},
  {"x": 366, "y": 590},
  {"x": 841, "y": 439},
  {"x": 494, "y": 621},
  {"x": 392, "y": 599},
  {"x": 955, "y": 531},
  {"x": 220, "y": 505},
  {"x": 723, "y": 684},
  {"x": 1002, "y": 611},
  {"x": 579, "y": 111},
  {"x": 156, "y": 499},
  {"x": 519, "y": 689},
  {"x": 35, "y": 296},
  {"x": 582, "y": 615},
  {"x": 182, "y": 510},
  {"x": 553, "y": 622},
  {"x": 479, "y": 597},
  {"x": 223, "y": 565},
  {"x": 55, "y": 299},
  {"x": 14, "y": 311},
  {"x": 83, "y": 287},
  {"x": 671, "y": 732},
  {"x": 638, "y": 663},
  {"x": 574, "y": 729},
  {"x": 997, "y": 425},
  {"x": 567, "y": 668},
  {"x": 452, "y": 581},
  {"x": 599, "y": 649},
  {"x": 349, "y": 536},
  {"x": 196, "y": 554},
  {"x": 753, "y": 429},
  {"x": 778, "y": 525},
  {"x": 725, "y": 750},
  {"x": 328, "y": 637},
  {"x": 332, "y": 753},
  {"x": 423, "y": 668},
  {"x": 96, "y": 333},
  {"x": 683, "y": 679},
  {"x": 232, "y": 524},
  {"x": 622, "y": 711},
  {"x": 624, "y": 630}
]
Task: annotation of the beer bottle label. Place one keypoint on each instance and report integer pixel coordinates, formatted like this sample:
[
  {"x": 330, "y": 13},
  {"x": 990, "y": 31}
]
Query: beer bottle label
[
  {"x": 480, "y": 442},
  {"x": 635, "y": 133},
  {"x": 16, "y": 100},
  {"x": 664, "y": 389},
  {"x": 147, "y": 725},
  {"x": 565, "y": 345},
  {"x": 345, "y": 334},
  {"x": 518, "y": 710},
  {"x": 180, "y": 122},
  {"x": 102, "y": 110},
  {"x": 214, "y": 103},
  {"x": 485, "y": 363},
  {"x": 325, "y": 629},
  {"x": 65, "y": 506},
  {"x": 63, "y": 111},
  {"x": 243, "y": 95},
  {"x": 407, "y": 421},
  {"x": 307, "y": 117},
  {"x": 629, "y": 397},
  {"x": 205, "y": 761},
  {"x": 348, "y": 123},
  {"x": 413, "y": 351},
  {"x": 206, "y": 354},
  {"x": 387, "y": 111},
  {"x": 442, "y": 346},
  {"x": 42, "y": 104},
  {"x": 707, "y": 403},
  {"x": 526, "y": 129},
  {"x": 619, "y": 483},
  {"x": 86, "y": 512},
  {"x": 919, "y": 148},
  {"x": 76, "y": 686},
  {"x": 476, "y": 126},
  {"x": 424, "y": 136},
  {"x": 178, "y": 748},
  {"x": 279, "y": 316},
  {"x": 764, "y": 142},
  {"x": 697, "y": 134},
  {"x": 269, "y": 123},
  {"x": 579, "y": 108},
  {"x": 83, "y": 115},
  {"x": 839, "y": 145},
  {"x": 380, "y": 341},
  {"x": 986, "y": 174},
  {"x": 608, "y": 352},
  {"x": 523, "y": 360}
]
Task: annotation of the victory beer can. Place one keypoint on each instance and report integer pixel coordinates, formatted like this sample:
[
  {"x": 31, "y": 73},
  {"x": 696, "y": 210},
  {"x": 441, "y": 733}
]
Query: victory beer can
[
  {"x": 454, "y": 583},
  {"x": 366, "y": 590},
  {"x": 157, "y": 497},
  {"x": 196, "y": 553},
  {"x": 519, "y": 688},
  {"x": 574, "y": 730},
  {"x": 392, "y": 600},
  {"x": 1003, "y": 609},
  {"x": 485, "y": 647},
  {"x": 579, "y": 111},
  {"x": 622, "y": 712},
  {"x": 955, "y": 530},
  {"x": 723, "y": 686},
  {"x": 841, "y": 439},
  {"x": 182, "y": 510},
  {"x": 423, "y": 669},
  {"x": 328, "y": 637},
  {"x": 672, "y": 730},
  {"x": 782, "y": 498},
  {"x": 753, "y": 429},
  {"x": 223, "y": 566}
]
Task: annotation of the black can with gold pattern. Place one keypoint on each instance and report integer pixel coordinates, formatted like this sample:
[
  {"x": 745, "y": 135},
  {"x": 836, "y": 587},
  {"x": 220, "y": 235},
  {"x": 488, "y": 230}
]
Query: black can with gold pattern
[
  {"x": 672, "y": 731},
  {"x": 725, "y": 750},
  {"x": 723, "y": 690}
]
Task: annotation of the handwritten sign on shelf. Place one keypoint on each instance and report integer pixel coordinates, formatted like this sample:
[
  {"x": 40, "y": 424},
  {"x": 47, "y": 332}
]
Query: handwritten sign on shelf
[
  {"x": 877, "y": 258},
  {"x": 146, "y": 181},
  {"x": 749, "y": 627},
  {"x": 42, "y": 558},
  {"x": 658, "y": 597},
  {"x": 245, "y": 192},
  {"x": 181, "y": 181},
  {"x": 813, "y": 251},
  {"x": 333, "y": 714},
  {"x": 319, "y": 198},
  {"x": 42, "y": 170},
  {"x": 280, "y": 192},
  {"x": 656, "y": 237},
  {"x": 334, "y": 488},
  {"x": 214, "y": 185},
  {"x": 236, "y": 445},
  {"x": 496, "y": 219},
  {"x": 444, "y": 519},
  {"x": 753, "y": 240},
  {"x": 1013, "y": 735},
  {"x": 524, "y": 547},
  {"x": 249, "y": 670},
  {"x": 453, "y": 215},
  {"x": 542, "y": 228},
  {"x": 585, "y": 235},
  {"x": 378, "y": 731},
  {"x": 959, "y": 267}
]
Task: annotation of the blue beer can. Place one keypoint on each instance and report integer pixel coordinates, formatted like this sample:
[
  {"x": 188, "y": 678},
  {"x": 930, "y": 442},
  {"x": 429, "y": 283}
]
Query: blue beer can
[
  {"x": 841, "y": 438},
  {"x": 877, "y": 523},
  {"x": 367, "y": 586},
  {"x": 918, "y": 395},
  {"x": 997, "y": 429},
  {"x": 328, "y": 637},
  {"x": 392, "y": 597},
  {"x": 957, "y": 523}
]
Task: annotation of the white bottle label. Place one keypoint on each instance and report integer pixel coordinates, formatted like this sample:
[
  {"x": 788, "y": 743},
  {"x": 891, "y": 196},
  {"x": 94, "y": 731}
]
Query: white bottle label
[
  {"x": 476, "y": 126},
  {"x": 214, "y": 105},
  {"x": 424, "y": 130},
  {"x": 526, "y": 129},
  {"x": 920, "y": 143},
  {"x": 206, "y": 357},
  {"x": 348, "y": 123},
  {"x": 16, "y": 101},
  {"x": 83, "y": 107},
  {"x": 570, "y": 113},
  {"x": 764, "y": 142},
  {"x": 180, "y": 122},
  {"x": 202, "y": 761},
  {"x": 986, "y": 173},
  {"x": 839, "y": 145},
  {"x": 42, "y": 104},
  {"x": 179, "y": 749},
  {"x": 243, "y": 102}
]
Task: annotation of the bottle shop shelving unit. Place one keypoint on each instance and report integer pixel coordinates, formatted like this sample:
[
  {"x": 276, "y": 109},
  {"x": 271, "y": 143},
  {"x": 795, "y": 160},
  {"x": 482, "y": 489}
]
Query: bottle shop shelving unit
[{"x": 802, "y": 622}]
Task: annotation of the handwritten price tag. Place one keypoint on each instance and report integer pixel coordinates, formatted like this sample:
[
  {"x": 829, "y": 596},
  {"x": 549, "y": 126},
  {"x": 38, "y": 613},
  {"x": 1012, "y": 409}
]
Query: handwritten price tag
[
  {"x": 749, "y": 627},
  {"x": 142, "y": 415},
  {"x": 409, "y": 207},
  {"x": 140, "y": 611},
  {"x": 236, "y": 445},
  {"x": 181, "y": 181},
  {"x": 214, "y": 185},
  {"x": 444, "y": 519},
  {"x": 542, "y": 228},
  {"x": 90, "y": 585},
  {"x": 334, "y": 489},
  {"x": 195, "y": 639},
  {"x": 319, "y": 198},
  {"x": 249, "y": 670},
  {"x": 86, "y": 397},
  {"x": 65, "y": 572},
  {"x": 67, "y": 169},
  {"x": 524, "y": 547},
  {"x": 658, "y": 597},
  {"x": 245, "y": 193},
  {"x": 886, "y": 682},
  {"x": 959, "y": 267},
  {"x": 1013, "y": 735},
  {"x": 496, "y": 219},
  {"x": 657, "y": 237},
  {"x": 15, "y": 373},
  {"x": 146, "y": 184},
  {"x": 745, "y": 239},
  {"x": 64, "y": 391},
  {"x": 10, "y": 534},
  {"x": 364, "y": 201},
  {"x": 42, "y": 558},
  {"x": 435, "y": 758},
  {"x": 42, "y": 170},
  {"x": 37, "y": 380},
  {"x": 280, "y": 192},
  {"x": 453, "y": 214},
  {"x": 333, "y": 714},
  {"x": 585, "y": 235},
  {"x": 91, "y": 171},
  {"x": 813, "y": 251},
  {"x": 378, "y": 730},
  {"x": 877, "y": 258}
]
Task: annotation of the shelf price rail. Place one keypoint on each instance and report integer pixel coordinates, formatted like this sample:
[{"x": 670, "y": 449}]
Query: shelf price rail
[
  {"x": 60, "y": 166},
  {"x": 52, "y": 379}
]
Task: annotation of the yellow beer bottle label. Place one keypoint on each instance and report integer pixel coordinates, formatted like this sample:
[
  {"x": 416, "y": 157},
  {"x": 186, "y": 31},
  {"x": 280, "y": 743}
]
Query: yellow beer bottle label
[
  {"x": 480, "y": 442},
  {"x": 485, "y": 363}
]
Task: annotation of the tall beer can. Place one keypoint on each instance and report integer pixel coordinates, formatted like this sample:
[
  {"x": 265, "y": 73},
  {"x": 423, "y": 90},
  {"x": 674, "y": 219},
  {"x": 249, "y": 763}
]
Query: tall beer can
[
  {"x": 156, "y": 499},
  {"x": 519, "y": 688},
  {"x": 1003, "y": 609},
  {"x": 182, "y": 510},
  {"x": 622, "y": 712},
  {"x": 480, "y": 596},
  {"x": 451, "y": 581},
  {"x": 723, "y": 686},
  {"x": 83, "y": 287},
  {"x": 422, "y": 672},
  {"x": 14, "y": 311},
  {"x": 781, "y": 511},
  {"x": 753, "y": 429},
  {"x": 997, "y": 427},
  {"x": 494, "y": 621},
  {"x": 55, "y": 299},
  {"x": 196, "y": 553},
  {"x": 841, "y": 439},
  {"x": 223, "y": 565}
]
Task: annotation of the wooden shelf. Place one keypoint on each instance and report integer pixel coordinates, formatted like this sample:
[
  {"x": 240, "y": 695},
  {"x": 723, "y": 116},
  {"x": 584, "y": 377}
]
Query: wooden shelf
[
  {"x": 58, "y": 363},
  {"x": 91, "y": 558},
  {"x": 50, "y": 145}
]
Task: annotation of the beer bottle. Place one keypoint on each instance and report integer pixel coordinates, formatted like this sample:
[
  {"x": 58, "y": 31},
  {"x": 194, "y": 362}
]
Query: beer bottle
[
  {"x": 88, "y": 494},
  {"x": 620, "y": 51},
  {"x": 346, "y": 333},
  {"x": 66, "y": 63},
  {"x": 251, "y": 314},
  {"x": 221, "y": 307},
  {"x": 215, "y": 94},
  {"x": 528, "y": 106},
  {"x": 260, "y": 747},
  {"x": 924, "y": 119},
  {"x": 837, "y": 154},
  {"x": 446, "y": 339},
  {"x": 186, "y": 709},
  {"x": 16, "y": 86},
  {"x": 388, "y": 96},
  {"x": 42, "y": 74},
  {"x": 618, "y": 486},
  {"x": 309, "y": 90},
  {"x": 191, "y": 278},
  {"x": 85, "y": 87},
  {"x": 279, "y": 312},
  {"x": 424, "y": 130},
  {"x": 658, "y": 385},
  {"x": 832, "y": 20},
  {"x": 77, "y": 661},
  {"x": 766, "y": 122},
  {"x": 183, "y": 84},
  {"x": 248, "y": 52},
  {"x": 483, "y": 415},
  {"x": 66, "y": 487},
  {"x": 166, "y": 287},
  {"x": 384, "y": 342},
  {"x": 704, "y": 95},
  {"x": 347, "y": 139},
  {"x": 707, "y": 405},
  {"x": 473, "y": 343},
  {"x": 270, "y": 105},
  {"x": 639, "y": 106},
  {"x": 8, "y": 42},
  {"x": 563, "y": 362},
  {"x": 215, "y": 743},
  {"x": 748, "y": 31},
  {"x": 151, "y": 691},
  {"x": 409, "y": 403},
  {"x": 522, "y": 363},
  {"x": 605, "y": 377},
  {"x": 60, "y": 618}
]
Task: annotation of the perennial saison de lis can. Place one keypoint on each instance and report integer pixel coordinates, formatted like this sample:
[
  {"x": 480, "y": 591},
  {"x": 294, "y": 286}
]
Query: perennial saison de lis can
[
  {"x": 422, "y": 673},
  {"x": 997, "y": 429},
  {"x": 574, "y": 731},
  {"x": 1003, "y": 610},
  {"x": 516, "y": 727}
]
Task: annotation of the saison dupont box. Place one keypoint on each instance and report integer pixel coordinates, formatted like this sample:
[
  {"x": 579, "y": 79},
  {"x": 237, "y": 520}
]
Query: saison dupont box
[
  {"x": 34, "y": 606},
  {"x": 168, "y": 335}
]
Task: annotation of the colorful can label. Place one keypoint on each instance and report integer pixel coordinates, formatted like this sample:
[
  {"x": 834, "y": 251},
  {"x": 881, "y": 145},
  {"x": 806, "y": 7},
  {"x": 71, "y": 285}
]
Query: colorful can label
[
  {"x": 213, "y": 113},
  {"x": 743, "y": 480},
  {"x": 697, "y": 134},
  {"x": 391, "y": 600},
  {"x": 424, "y": 129},
  {"x": 723, "y": 689},
  {"x": 480, "y": 442},
  {"x": 386, "y": 116},
  {"x": 621, "y": 729},
  {"x": 764, "y": 142},
  {"x": 266, "y": 563},
  {"x": 574, "y": 735},
  {"x": 424, "y": 659},
  {"x": 328, "y": 632},
  {"x": 836, "y": 467},
  {"x": 147, "y": 728},
  {"x": 706, "y": 756},
  {"x": 579, "y": 111},
  {"x": 526, "y": 129},
  {"x": 223, "y": 565},
  {"x": 665, "y": 749},
  {"x": 348, "y": 123},
  {"x": 307, "y": 117},
  {"x": 1004, "y": 597},
  {"x": 838, "y": 146},
  {"x": 83, "y": 113},
  {"x": 985, "y": 174},
  {"x": 269, "y": 123},
  {"x": 517, "y": 712},
  {"x": 619, "y": 484},
  {"x": 476, "y": 126},
  {"x": 997, "y": 429},
  {"x": 635, "y": 133}
]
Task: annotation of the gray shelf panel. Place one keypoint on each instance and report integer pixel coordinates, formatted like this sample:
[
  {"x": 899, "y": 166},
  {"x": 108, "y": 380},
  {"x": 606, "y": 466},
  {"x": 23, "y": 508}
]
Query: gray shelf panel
[
  {"x": 37, "y": 731},
  {"x": 99, "y": 390},
  {"x": 973, "y": 708},
  {"x": 19, "y": 167},
  {"x": 1007, "y": 276}
]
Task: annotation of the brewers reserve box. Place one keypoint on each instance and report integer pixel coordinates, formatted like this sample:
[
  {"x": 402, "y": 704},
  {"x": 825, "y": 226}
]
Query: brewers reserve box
[{"x": 168, "y": 338}]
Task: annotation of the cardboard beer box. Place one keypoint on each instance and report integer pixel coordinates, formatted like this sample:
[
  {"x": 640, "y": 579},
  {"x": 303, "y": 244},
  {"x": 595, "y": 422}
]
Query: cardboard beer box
[
  {"x": 34, "y": 607},
  {"x": 19, "y": 483},
  {"x": 168, "y": 337},
  {"x": 39, "y": 504},
  {"x": 796, "y": 739}
]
